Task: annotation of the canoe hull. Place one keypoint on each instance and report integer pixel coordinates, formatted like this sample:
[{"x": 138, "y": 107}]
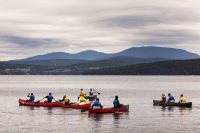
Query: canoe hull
[
  {"x": 124, "y": 108},
  {"x": 54, "y": 104},
  {"x": 41, "y": 104},
  {"x": 159, "y": 103},
  {"x": 77, "y": 106}
]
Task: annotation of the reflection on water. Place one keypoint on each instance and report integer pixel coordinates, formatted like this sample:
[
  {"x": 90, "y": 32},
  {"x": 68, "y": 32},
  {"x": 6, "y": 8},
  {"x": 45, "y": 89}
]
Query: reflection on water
[
  {"x": 96, "y": 117},
  {"x": 137, "y": 91}
]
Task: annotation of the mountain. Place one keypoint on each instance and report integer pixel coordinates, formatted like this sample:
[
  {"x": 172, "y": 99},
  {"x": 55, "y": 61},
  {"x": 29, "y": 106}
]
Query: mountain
[
  {"x": 85, "y": 55},
  {"x": 174, "y": 67},
  {"x": 136, "y": 52},
  {"x": 158, "y": 52}
]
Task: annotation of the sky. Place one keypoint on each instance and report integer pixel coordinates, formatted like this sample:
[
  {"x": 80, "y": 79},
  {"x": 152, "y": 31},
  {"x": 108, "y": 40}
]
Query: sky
[{"x": 33, "y": 27}]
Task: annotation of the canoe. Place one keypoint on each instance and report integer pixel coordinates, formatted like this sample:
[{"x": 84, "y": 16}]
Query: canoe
[
  {"x": 77, "y": 106},
  {"x": 54, "y": 104},
  {"x": 124, "y": 108},
  {"x": 159, "y": 103},
  {"x": 43, "y": 104}
]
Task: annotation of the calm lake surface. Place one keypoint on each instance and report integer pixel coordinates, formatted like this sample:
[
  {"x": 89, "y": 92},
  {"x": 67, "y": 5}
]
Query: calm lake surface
[{"x": 137, "y": 91}]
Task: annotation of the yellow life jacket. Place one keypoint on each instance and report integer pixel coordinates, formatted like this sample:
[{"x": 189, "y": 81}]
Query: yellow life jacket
[
  {"x": 183, "y": 99},
  {"x": 82, "y": 99},
  {"x": 82, "y": 93},
  {"x": 66, "y": 100}
]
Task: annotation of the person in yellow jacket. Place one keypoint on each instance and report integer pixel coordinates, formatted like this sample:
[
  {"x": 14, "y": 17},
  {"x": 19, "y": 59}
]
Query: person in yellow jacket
[
  {"x": 65, "y": 99},
  {"x": 82, "y": 93},
  {"x": 182, "y": 99},
  {"x": 82, "y": 99}
]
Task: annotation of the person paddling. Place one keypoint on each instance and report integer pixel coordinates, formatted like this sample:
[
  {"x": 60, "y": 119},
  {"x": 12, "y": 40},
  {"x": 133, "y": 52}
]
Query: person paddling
[
  {"x": 97, "y": 104},
  {"x": 66, "y": 100},
  {"x": 82, "y": 93},
  {"x": 163, "y": 98},
  {"x": 82, "y": 99},
  {"x": 116, "y": 102},
  {"x": 171, "y": 99},
  {"x": 49, "y": 98},
  {"x": 91, "y": 93},
  {"x": 31, "y": 97},
  {"x": 182, "y": 99}
]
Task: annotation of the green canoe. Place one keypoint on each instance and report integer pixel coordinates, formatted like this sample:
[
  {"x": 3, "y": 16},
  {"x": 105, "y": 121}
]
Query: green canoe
[{"x": 159, "y": 103}]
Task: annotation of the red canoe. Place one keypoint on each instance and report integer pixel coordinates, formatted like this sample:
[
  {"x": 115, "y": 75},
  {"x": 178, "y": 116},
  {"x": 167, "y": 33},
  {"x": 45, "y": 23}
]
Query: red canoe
[
  {"x": 43, "y": 104},
  {"x": 77, "y": 106},
  {"x": 124, "y": 108},
  {"x": 54, "y": 104}
]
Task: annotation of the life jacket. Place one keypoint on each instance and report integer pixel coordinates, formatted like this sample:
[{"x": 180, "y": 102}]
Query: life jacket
[
  {"x": 82, "y": 99},
  {"x": 32, "y": 98},
  {"x": 91, "y": 93},
  {"x": 171, "y": 98},
  {"x": 49, "y": 98},
  {"x": 82, "y": 93},
  {"x": 183, "y": 99},
  {"x": 66, "y": 100},
  {"x": 116, "y": 102}
]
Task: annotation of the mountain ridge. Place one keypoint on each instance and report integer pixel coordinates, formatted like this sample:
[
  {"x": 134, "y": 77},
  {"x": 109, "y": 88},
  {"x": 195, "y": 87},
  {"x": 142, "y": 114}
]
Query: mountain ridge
[{"x": 136, "y": 52}]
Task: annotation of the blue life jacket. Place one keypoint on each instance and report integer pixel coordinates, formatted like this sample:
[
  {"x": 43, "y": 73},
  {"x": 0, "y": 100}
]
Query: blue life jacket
[
  {"x": 171, "y": 98},
  {"x": 116, "y": 103},
  {"x": 49, "y": 98},
  {"x": 32, "y": 98},
  {"x": 91, "y": 93}
]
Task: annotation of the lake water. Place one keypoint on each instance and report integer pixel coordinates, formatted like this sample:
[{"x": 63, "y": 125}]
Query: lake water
[{"x": 137, "y": 91}]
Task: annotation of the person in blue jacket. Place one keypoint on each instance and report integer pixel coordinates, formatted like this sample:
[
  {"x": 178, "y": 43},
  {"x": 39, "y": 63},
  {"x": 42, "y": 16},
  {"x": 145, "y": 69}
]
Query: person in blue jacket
[
  {"x": 116, "y": 102},
  {"x": 31, "y": 97},
  {"x": 49, "y": 98},
  {"x": 97, "y": 104},
  {"x": 91, "y": 93},
  {"x": 170, "y": 98}
]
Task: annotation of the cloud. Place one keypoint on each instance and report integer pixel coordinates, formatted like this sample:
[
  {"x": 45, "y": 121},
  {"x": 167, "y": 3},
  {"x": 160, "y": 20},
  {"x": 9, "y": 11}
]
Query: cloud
[
  {"x": 152, "y": 16},
  {"x": 28, "y": 42},
  {"x": 168, "y": 37},
  {"x": 37, "y": 27}
]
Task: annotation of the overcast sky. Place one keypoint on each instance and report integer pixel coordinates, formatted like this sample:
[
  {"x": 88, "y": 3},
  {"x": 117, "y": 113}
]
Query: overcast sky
[{"x": 32, "y": 27}]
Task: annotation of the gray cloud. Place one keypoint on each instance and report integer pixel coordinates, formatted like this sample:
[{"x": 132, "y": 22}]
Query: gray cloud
[
  {"x": 28, "y": 42},
  {"x": 152, "y": 16},
  {"x": 109, "y": 26},
  {"x": 168, "y": 37}
]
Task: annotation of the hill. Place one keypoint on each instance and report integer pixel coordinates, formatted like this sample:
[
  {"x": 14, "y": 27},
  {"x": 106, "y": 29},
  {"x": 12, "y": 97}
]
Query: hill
[
  {"x": 85, "y": 55},
  {"x": 177, "y": 67},
  {"x": 158, "y": 52},
  {"x": 136, "y": 52}
]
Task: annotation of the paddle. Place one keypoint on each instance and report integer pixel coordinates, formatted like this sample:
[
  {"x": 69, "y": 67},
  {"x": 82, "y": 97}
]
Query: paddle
[
  {"x": 97, "y": 92},
  {"x": 38, "y": 101}
]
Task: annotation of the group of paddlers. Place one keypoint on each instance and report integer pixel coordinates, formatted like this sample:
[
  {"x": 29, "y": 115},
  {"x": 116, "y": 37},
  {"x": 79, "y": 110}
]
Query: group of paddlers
[
  {"x": 171, "y": 98},
  {"x": 81, "y": 99}
]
